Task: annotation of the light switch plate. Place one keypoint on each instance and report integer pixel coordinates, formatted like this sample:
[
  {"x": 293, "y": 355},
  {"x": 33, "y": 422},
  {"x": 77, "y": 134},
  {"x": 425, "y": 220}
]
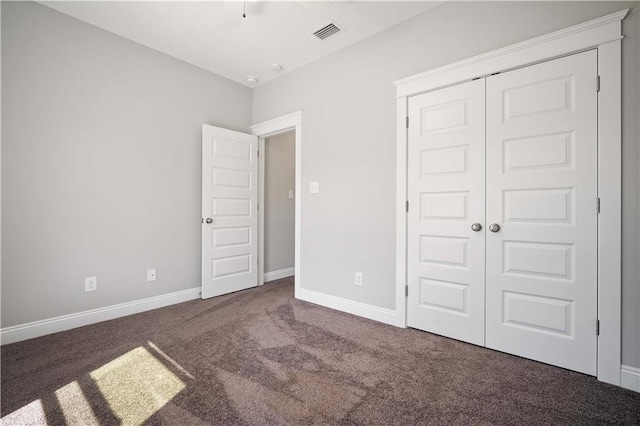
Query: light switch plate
[
  {"x": 314, "y": 187},
  {"x": 291, "y": 194}
]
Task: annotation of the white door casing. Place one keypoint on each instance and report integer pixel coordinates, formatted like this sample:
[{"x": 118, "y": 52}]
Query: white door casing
[
  {"x": 272, "y": 127},
  {"x": 541, "y": 290},
  {"x": 229, "y": 211},
  {"x": 446, "y": 153}
]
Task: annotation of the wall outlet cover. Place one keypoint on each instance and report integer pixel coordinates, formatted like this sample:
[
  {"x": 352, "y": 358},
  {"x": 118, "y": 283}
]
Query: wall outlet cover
[
  {"x": 90, "y": 284},
  {"x": 314, "y": 187}
]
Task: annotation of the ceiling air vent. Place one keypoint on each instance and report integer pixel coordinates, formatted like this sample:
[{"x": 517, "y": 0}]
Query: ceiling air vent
[{"x": 327, "y": 31}]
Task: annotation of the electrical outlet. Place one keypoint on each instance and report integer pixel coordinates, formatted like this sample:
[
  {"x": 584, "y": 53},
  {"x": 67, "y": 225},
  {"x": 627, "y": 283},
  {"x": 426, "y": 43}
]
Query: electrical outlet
[
  {"x": 359, "y": 278},
  {"x": 314, "y": 187},
  {"x": 90, "y": 284},
  {"x": 151, "y": 274},
  {"x": 291, "y": 194}
]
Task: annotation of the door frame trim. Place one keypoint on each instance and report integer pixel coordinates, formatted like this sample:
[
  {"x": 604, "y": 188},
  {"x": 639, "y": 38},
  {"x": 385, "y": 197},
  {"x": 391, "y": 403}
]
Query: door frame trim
[
  {"x": 605, "y": 35},
  {"x": 262, "y": 130}
]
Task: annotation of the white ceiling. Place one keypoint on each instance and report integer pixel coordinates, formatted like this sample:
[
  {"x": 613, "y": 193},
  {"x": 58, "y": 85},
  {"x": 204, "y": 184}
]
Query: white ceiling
[{"x": 214, "y": 36}]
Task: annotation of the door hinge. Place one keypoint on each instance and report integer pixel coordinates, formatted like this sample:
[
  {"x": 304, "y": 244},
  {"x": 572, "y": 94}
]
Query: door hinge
[
  {"x": 597, "y": 83},
  {"x": 257, "y": 206},
  {"x": 407, "y": 121},
  {"x": 407, "y": 205},
  {"x": 258, "y": 153},
  {"x": 597, "y": 327},
  {"x": 406, "y": 290},
  {"x": 598, "y": 205}
]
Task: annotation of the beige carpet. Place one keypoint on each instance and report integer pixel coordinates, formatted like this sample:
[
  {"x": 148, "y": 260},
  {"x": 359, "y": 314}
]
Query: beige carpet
[{"x": 261, "y": 357}]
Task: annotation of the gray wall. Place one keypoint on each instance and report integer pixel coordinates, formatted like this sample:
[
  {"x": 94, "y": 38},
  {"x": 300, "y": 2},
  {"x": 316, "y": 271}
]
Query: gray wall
[
  {"x": 101, "y": 154},
  {"x": 279, "y": 213},
  {"x": 101, "y": 164},
  {"x": 349, "y": 138}
]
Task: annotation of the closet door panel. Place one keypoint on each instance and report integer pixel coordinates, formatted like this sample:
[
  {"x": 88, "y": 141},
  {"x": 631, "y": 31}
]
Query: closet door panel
[
  {"x": 541, "y": 292},
  {"x": 446, "y": 155}
]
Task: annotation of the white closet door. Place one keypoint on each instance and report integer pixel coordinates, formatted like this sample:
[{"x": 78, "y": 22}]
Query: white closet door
[
  {"x": 229, "y": 211},
  {"x": 541, "y": 191},
  {"x": 446, "y": 196}
]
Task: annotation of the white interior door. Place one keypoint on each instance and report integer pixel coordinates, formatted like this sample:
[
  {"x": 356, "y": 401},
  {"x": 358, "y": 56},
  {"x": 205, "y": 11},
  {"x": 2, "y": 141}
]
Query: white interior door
[
  {"x": 229, "y": 211},
  {"x": 542, "y": 193},
  {"x": 446, "y": 156}
]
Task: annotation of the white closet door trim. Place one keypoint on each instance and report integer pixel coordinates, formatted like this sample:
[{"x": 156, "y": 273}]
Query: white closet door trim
[
  {"x": 402, "y": 198},
  {"x": 610, "y": 217},
  {"x": 559, "y": 43},
  {"x": 605, "y": 34}
]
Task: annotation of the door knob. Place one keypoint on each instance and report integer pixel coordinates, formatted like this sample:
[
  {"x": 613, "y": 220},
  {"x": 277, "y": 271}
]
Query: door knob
[
  {"x": 209, "y": 220},
  {"x": 494, "y": 227},
  {"x": 476, "y": 227}
]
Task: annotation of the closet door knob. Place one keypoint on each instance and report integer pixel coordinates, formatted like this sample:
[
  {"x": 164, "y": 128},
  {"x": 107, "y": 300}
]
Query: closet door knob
[
  {"x": 476, "y": 227},
  {"x": 209, "y": 220},
  {"x": 494, "y": 227}
]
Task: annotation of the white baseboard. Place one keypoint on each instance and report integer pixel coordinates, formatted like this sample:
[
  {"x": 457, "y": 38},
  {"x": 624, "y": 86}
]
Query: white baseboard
[
  {"x": 276, "y": 275},
  {"x": 30, "y": 330},
  {"x": 630, "y": 378},
  {"x": 375, "y": 313}
]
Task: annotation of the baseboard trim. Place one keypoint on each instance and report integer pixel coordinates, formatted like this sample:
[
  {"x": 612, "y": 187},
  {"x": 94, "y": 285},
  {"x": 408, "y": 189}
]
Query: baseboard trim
[
  {"x": 371, "y": 312},
  {"x": 34, "y": 329},
  {"x": 276, "y": 275},
  {"x": 630, "y": 378}
]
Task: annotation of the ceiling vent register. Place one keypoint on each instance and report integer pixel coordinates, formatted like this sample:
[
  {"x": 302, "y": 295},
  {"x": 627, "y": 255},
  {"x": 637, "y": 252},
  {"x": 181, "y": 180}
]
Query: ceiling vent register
[{"x": 327, "y": 31}]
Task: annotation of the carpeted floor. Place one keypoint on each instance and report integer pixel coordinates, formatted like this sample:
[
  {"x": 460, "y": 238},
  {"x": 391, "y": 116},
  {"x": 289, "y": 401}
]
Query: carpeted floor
[{"x": 261, "y": 357}]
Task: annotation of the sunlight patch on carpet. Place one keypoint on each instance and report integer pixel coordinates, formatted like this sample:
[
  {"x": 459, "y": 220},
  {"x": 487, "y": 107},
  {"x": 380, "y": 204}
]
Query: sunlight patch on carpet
[
  {"x": 32, "y": 414},
  {"x": 136, "y": 385},
  {"x": 74, "y": 405}
]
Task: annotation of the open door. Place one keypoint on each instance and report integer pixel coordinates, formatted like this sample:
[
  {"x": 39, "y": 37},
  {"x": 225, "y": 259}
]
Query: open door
[{"x": 229, "y": 211}]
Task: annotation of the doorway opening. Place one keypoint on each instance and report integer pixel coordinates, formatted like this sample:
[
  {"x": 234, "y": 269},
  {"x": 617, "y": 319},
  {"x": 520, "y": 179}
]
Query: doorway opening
[
  {"x": 290, "y": 124},
  {"x": 277, "y": 201}
]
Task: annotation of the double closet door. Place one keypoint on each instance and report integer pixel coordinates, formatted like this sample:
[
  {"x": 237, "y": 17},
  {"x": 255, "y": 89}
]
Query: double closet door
[{"x": 502, "y": 225}]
